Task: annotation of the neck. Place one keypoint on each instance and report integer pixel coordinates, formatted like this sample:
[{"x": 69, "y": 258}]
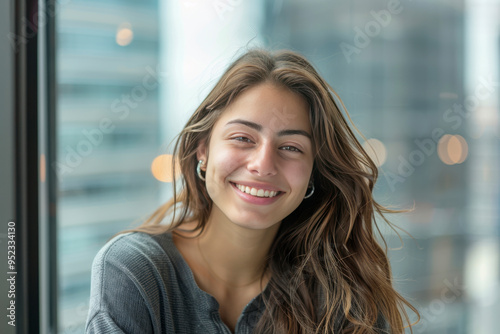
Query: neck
[{"x": 235, "y": 255}]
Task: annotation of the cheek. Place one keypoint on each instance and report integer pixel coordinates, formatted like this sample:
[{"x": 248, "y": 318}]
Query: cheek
[
  {"x": 300, "y": 174},
  {"x": 222, "y": 162}
]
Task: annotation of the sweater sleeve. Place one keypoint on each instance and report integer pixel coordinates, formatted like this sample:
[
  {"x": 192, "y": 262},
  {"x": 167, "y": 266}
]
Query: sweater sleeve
[{"x": 118, "y": 303}]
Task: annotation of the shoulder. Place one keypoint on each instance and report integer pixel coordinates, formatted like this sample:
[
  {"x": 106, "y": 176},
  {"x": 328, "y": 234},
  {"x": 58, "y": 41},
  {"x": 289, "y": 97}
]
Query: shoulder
[
  {"x": 128, "y": 276},
  {"x": 128, "y": 246},
  {"x": 139, "y": 262},
  {"x": 135, "y": 254}
]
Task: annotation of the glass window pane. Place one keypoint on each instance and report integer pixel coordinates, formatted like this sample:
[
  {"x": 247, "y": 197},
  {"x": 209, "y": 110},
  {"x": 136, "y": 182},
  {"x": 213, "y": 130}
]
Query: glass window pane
[
  {"x": 108, "y": 134},
  {"x": 419, "y": 79}
]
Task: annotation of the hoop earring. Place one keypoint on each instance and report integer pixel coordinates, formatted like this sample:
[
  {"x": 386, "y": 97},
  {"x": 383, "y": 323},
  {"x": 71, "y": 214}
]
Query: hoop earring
[
  {"x": 198, "y": 170},
  {"x": 311, "y": 193}
]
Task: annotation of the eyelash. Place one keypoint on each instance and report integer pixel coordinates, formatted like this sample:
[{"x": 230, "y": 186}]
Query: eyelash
[
  {"x": 242, "y": 139},
  {"x": 292, "y": 149},
  {"x": 285, "y": 148}
]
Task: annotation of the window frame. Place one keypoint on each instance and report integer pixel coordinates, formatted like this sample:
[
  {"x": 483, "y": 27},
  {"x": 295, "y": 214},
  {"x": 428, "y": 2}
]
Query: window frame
[
  {"x": 26, "y": 157},
  {"x": 29, "y": 183}
]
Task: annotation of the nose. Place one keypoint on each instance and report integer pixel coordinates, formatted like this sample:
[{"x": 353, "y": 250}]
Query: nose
[{"x": 262, "y": 161}]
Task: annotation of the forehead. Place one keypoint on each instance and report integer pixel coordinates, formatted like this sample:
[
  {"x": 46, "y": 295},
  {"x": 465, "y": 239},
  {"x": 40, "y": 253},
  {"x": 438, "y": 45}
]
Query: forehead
[{"x": 273, "y": 107}]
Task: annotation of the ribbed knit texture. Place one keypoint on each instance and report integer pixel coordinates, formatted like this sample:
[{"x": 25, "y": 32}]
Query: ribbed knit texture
[{"x": 141, "y": 284}]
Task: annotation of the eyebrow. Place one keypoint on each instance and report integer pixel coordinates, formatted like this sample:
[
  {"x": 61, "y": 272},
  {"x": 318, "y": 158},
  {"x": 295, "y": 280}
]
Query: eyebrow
[{"x": 258, "y": 127}]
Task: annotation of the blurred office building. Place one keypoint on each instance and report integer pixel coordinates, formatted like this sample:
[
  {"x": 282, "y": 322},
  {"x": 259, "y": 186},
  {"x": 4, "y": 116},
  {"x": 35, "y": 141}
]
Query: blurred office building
[
  {"x": 415, "y": 77},
  {"x": 108, "y": 134}
]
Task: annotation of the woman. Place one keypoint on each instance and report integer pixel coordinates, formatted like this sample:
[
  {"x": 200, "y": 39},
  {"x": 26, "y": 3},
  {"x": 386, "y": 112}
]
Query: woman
[{"x": 272, "y": 229}]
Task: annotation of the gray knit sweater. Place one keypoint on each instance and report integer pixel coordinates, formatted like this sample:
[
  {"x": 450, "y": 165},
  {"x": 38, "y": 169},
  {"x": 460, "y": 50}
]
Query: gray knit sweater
[{"x": 142, "y": 284}]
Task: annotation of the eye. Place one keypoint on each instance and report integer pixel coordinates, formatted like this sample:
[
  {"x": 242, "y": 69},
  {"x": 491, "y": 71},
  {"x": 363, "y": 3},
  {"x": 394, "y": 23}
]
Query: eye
[
  {"x": 242, "y": 139},
  {"x": 291, "y": 148}
]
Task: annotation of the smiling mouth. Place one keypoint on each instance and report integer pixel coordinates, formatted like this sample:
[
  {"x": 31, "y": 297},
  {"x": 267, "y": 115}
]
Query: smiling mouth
[{"x": 257, "y": 192}]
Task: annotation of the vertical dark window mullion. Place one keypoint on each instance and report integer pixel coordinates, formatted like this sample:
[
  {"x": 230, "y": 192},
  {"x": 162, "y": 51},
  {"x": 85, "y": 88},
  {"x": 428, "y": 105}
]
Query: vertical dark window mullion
[
  {"x": 26, "y": 161},
  {"x": 50, "y": 84}
]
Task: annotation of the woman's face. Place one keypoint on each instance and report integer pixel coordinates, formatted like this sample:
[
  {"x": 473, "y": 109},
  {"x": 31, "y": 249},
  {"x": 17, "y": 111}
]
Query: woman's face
[{"x": 260, "y": 157}]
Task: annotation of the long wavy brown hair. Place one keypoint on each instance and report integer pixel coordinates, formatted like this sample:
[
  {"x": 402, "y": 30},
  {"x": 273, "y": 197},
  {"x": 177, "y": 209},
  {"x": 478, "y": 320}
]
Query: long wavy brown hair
[{"x": 329, "y": 273}]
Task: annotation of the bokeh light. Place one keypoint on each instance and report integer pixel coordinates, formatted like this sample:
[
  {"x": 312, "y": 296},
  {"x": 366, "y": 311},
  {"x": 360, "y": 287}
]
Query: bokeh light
[
  {"x": 124, "y": 34},
  {"x": 452, "y": 149},
  {"x": 43, "y": 170},
  {"x": 161, "y": 167},
  {"x": 376, "y": 150}
]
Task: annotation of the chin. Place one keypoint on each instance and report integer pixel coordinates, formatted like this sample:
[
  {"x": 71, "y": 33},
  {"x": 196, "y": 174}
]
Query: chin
[{"x": 254, "y": 222}]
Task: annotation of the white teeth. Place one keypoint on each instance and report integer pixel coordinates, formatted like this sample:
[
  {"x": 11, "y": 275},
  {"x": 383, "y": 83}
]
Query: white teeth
[{"x": 257, "y": 192}]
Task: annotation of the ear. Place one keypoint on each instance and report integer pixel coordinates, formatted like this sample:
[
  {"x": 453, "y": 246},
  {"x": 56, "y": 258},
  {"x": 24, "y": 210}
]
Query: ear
[{"x": 201, "y": 152}]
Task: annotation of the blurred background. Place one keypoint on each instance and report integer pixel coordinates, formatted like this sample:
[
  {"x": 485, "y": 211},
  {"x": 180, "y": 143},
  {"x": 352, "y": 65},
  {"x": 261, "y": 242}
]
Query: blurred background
[{"x": 420, "y": 80}]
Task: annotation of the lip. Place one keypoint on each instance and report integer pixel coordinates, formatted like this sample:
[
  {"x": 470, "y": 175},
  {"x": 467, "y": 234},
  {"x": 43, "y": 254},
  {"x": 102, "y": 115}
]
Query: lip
[
  {"x": 254, "y": 199},
  {"x": 257, "y": 185}
]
